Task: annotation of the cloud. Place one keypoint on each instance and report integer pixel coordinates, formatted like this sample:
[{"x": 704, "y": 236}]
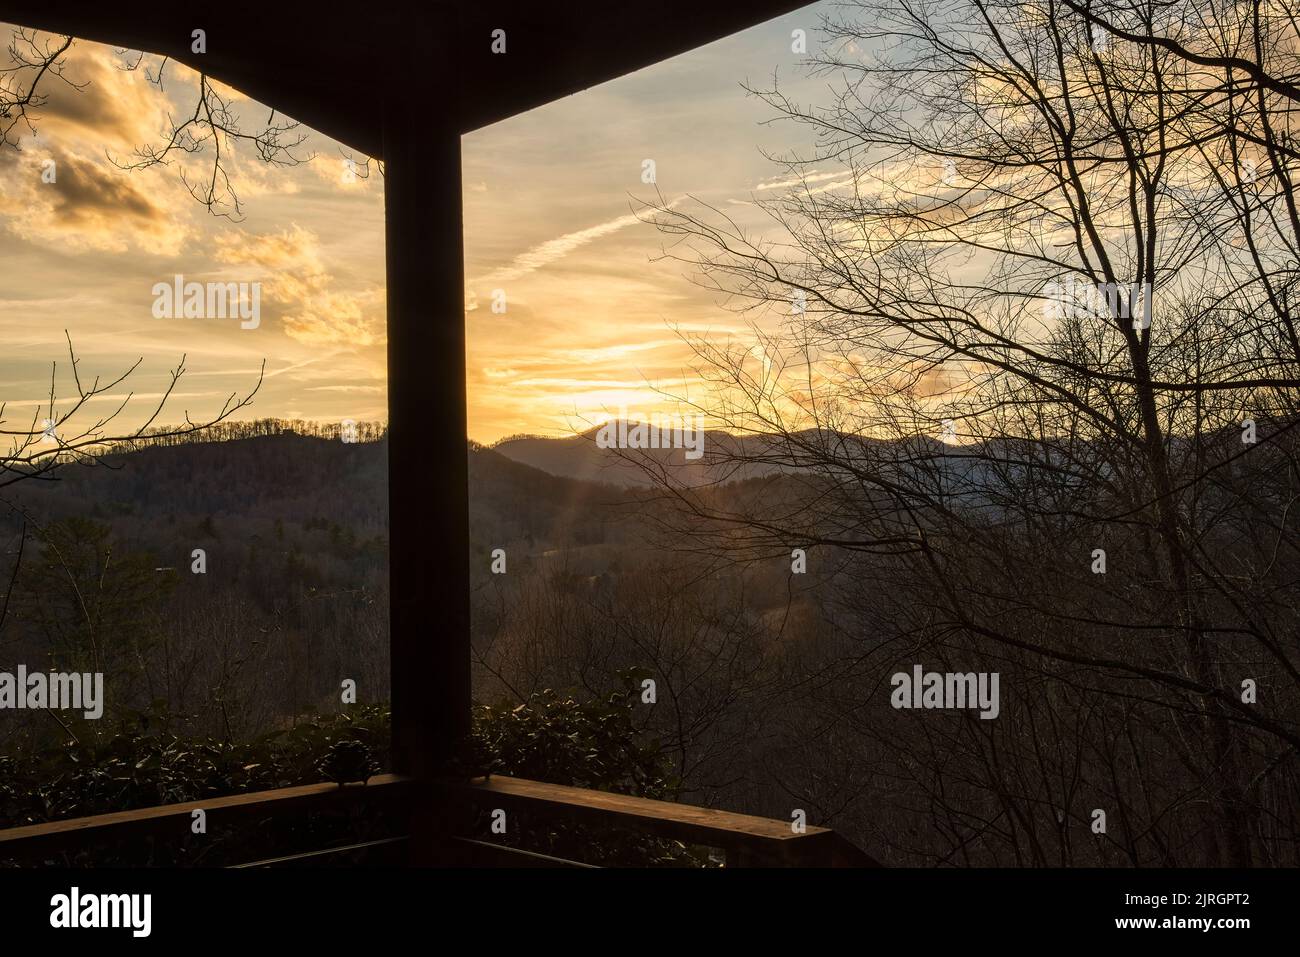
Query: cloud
[
  {"x": 548, "y": 252},
  {"x": 295, "y": 251},
  {"x": 118, "y": 397},
  {"x": 346, "y": 388},
  {"x": 110, "y": 106},
  {"x": 617, "y": 351},
  {"x": 813, "y": 177},
  {"x": 87, "y": 192},
  {"x": 295, "y": 279},
  {"x": 346, "y": 171},
  {"x": 92, "y": 203}
]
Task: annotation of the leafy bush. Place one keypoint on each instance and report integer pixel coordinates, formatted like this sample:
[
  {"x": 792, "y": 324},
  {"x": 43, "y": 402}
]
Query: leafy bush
[
  {"x": 551, "y": 737},
  {"x": 556, "y": 738},
  {"x": 145, "y": 764}
]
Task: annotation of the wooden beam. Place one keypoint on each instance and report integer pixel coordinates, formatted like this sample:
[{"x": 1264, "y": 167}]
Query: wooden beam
[
  {"x": 384, "y": 847},
  {"x": 288, "y": 57},
  {"x": 708, "y": 824},
  {"x": 749, "y": 840},
  {"x": 174, "y": 819},
  {"x": 428, "y": 483},
  {"x": 465, "y": 852}
]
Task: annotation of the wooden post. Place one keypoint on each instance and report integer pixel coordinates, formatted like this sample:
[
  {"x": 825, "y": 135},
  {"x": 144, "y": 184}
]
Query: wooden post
[{"x": 428, "y": 484}]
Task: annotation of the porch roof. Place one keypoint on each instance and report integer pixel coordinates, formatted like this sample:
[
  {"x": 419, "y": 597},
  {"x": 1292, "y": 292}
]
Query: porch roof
[{"x": 326, "y": 69}]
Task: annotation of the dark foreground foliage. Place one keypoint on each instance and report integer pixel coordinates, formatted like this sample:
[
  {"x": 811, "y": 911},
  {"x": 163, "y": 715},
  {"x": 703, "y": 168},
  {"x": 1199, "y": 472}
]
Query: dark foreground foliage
[{"x": 552, "y": 737}]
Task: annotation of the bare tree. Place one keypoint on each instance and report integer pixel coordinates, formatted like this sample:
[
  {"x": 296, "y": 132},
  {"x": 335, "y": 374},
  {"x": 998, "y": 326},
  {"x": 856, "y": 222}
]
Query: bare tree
[
  {"x": 1026, "y": 331},
  {"x": 212, "y": 128},
  {"x": 56, "y": 436},
  {"x": 213, "y": 124},
  {"x": 35, "y": 60}
]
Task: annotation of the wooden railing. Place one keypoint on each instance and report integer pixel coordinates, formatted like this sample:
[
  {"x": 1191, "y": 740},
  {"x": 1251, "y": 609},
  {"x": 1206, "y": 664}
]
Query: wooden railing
[
  {"x": 746, "y": 841},
  {"x": 169, "y": 823}
]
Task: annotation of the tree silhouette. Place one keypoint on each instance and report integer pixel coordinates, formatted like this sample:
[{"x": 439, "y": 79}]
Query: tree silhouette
[{"x": 1032, "y": 321}]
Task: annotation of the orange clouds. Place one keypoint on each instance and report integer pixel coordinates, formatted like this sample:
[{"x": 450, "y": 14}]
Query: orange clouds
[
  {"x": 60, "y": 188},
  {"x": 295, "y": 280},
  {"x": 85, "y": 240}
]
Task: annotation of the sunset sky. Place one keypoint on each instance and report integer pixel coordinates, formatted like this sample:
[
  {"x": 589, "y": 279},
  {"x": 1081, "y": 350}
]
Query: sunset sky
[{"x": 549, "y": 195}]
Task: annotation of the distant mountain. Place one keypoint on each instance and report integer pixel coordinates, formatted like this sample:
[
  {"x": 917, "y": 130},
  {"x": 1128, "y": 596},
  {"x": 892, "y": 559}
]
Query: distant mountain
[
  {"x": 709, "y": 460},
  {"x": 971, "y": 473},
  {"x": 722, "y": 457},
  {"x": 294, "y": 489}
]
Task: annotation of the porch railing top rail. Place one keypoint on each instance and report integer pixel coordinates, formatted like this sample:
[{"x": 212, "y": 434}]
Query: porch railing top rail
[{"x": 747, "y": 839}]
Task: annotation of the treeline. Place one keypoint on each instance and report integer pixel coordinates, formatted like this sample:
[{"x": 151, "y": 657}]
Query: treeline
[
  {"x": 166, "y": 435},
  {"x": 515, "y": 437}
]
